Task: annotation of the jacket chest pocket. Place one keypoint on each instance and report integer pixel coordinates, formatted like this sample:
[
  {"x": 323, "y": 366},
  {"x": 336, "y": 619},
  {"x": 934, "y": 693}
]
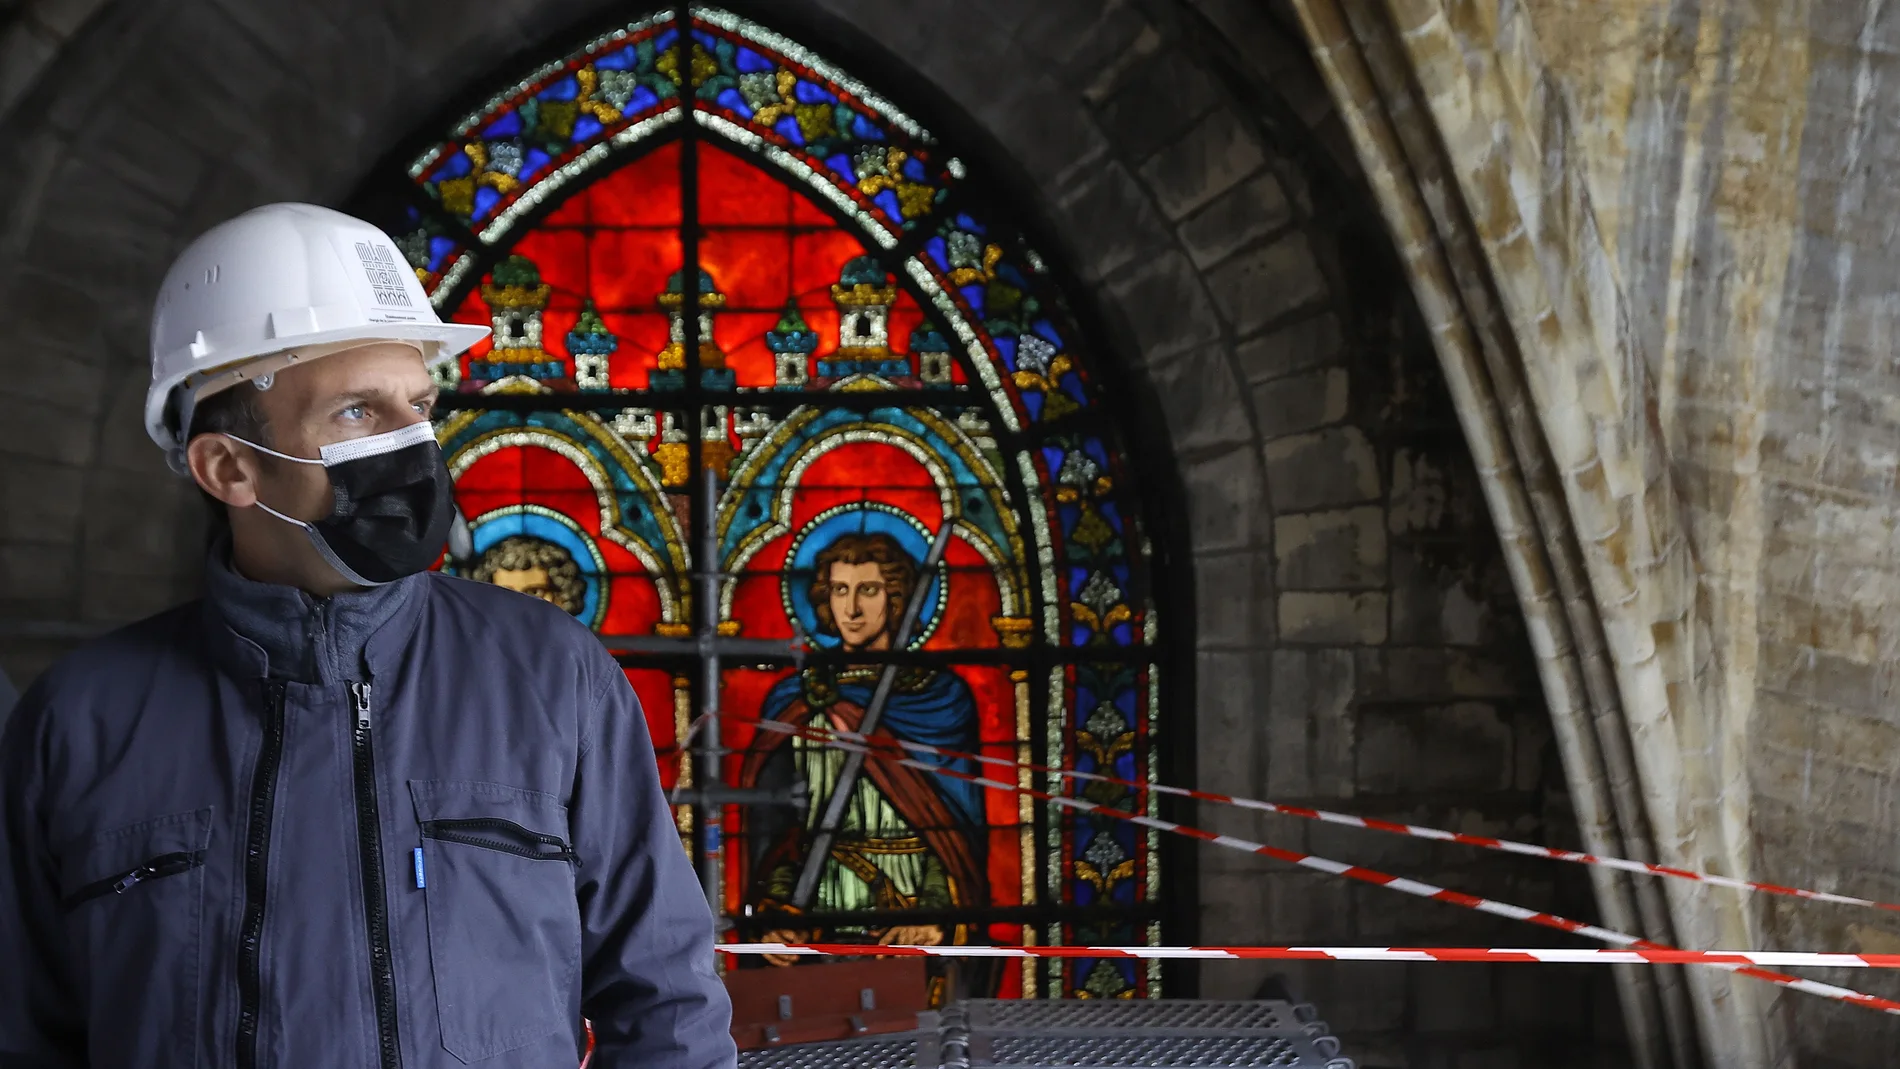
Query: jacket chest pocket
[
  {"x": 133, "y": 901},
  {"x": 497, "y": 877}
]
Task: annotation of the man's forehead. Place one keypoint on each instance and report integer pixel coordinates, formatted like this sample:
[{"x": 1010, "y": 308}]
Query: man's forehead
[{"x": 371, "y": 369}]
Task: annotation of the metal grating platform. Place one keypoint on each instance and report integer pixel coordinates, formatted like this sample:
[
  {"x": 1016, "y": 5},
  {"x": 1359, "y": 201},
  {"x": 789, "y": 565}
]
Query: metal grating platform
[
  {"x": 1118, "y": 1034},
  {"x": 883, "y": 1052},
  {"x": 1276, "y": 1052},
  {"x": 1170, "y": 1015}
]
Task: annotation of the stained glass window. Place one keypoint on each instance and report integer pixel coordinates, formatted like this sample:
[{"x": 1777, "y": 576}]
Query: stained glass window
[{"x": 745, "y": 307}]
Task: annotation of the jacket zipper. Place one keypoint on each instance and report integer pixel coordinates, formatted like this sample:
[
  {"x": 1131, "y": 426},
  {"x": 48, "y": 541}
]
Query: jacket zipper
[
  {"x": 157, "y": 868},
  {"x": 494, "y": 833},
  {"x": 375, "y": 903},
  {"x": 256, "y": 860}
]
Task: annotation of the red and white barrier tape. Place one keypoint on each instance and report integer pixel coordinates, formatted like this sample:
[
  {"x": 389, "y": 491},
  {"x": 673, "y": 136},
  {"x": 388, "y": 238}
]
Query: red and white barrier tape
[
  {"x": 1371, "y": 876},
  {"x": 1479, "y": 955},
  {"x": 1306, "y": 813}
]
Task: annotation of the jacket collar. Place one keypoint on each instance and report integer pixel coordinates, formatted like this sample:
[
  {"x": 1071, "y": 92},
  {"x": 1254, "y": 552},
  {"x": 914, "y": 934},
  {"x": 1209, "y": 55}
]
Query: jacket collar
[{"x": 267, "y": 630}]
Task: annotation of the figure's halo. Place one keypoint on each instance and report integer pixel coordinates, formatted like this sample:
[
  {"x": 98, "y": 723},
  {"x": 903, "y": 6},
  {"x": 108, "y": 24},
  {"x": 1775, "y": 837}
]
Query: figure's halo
[
  {"x": 857, "y": 518},
  {"x": 536, "y": 521}
]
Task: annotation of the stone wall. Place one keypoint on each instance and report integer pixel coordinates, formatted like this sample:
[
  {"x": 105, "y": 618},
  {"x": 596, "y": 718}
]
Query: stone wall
[
  {"x": 1666, "y": 220},
  {"x": 1355, "y": 636}
]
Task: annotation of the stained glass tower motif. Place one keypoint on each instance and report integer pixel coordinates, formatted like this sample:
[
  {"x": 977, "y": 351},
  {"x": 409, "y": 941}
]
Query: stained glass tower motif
[{"x": 706, "y": 248}]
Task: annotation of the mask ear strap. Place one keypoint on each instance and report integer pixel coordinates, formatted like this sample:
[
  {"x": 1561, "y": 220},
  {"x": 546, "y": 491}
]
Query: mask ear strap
[
  {"x": 281, "y": 516},
  {"x": 275, "y": 453},
  {"x": 285, "y": 456}
]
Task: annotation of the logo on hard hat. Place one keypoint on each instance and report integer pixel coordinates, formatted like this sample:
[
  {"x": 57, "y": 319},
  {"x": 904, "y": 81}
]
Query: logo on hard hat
[{"x": 385, "y": 274}]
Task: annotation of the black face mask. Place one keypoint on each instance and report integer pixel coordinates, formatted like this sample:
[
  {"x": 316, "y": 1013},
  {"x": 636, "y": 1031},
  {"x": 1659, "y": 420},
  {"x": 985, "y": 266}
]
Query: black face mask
[{"x": 394, "y": 503}]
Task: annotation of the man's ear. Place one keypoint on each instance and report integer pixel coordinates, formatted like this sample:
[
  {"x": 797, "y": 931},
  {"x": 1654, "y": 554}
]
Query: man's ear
[{"x": 224, "y": 469}]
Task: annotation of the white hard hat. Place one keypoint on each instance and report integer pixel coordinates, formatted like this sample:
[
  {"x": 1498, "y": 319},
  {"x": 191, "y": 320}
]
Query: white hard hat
[{"x": 280, "y": 283}]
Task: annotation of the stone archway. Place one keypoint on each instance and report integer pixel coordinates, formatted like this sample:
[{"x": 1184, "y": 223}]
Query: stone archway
[{"x": 1351, "y": 611}]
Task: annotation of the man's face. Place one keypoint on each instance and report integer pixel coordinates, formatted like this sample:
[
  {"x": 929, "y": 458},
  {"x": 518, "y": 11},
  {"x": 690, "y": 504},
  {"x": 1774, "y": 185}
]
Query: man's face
[
  {"x": 352, "y": 394},
  {"x": 533, "y": 582},
  {"x": 860, "y": 605}
]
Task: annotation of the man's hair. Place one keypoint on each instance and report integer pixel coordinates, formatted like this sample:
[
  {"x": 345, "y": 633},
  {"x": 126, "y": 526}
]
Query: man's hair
[
  {"x": 895, "y": 566},
  {"x": 234, "y": 411},
  {"x": 520, "y": 553}
]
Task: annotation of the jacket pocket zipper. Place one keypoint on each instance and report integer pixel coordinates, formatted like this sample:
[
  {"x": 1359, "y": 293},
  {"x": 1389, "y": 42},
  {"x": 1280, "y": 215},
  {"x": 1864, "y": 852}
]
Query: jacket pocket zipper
[
  {"x": 494, "y": 833},
  {"x": 157, "y": 868}
]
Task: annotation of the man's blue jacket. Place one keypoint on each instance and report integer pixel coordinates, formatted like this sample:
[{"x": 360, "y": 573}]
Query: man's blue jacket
[{"x": 417, "y": 826}]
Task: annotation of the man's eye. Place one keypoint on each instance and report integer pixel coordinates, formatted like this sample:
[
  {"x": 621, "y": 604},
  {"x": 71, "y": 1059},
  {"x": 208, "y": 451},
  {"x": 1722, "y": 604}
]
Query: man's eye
[{"x": 354, "y": 413}]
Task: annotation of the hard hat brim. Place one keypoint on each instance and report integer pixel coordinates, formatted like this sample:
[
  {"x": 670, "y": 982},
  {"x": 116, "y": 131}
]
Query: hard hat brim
[{"x": 449, "y": 340}]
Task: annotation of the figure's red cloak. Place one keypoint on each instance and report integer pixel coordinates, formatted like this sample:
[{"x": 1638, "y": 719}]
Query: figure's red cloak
[{"x": 908, "y": 789}]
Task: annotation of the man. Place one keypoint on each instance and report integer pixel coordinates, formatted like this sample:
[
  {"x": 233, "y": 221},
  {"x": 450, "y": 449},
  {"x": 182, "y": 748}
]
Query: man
[
  {"x": 909, "y": 839},
  {"x": 537, "y": 568},
  {"x": 343, "y": 812}
]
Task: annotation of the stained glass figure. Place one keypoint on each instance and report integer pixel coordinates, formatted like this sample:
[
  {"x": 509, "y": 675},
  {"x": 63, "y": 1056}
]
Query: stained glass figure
[{"x": 708, "y": 252}]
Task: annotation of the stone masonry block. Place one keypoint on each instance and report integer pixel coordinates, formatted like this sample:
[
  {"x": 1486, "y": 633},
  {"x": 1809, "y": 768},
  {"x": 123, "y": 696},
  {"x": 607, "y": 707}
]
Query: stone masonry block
[
  {"x": 141, "y": 152},
  {"x": 132, "y": 520},
  {"x": 42, "y": 501},
  {"x": 1231, "y": 693},
  {"x": 1465, "y": 746},
  {"x": 1255, "y": 288},
  {"x": 1388, "y": 853},
  {"x": 1332, "y": 617},
  {"x": 1302, "y": 402},
  {"x": 1232, "y": 592},
  {"x": 1051, "y": 138},
  {"x": 39, "y": 573},
  {"x": 114, "y": 598},
  {"x": 1230, "y": 979},
  {"x": 1305, "y": 909},
  {"x": 52, "y": 341},
  {"x": 30, "y": 294},
  {"x": 47, "y": 431},
  {"x": 1156, "y": 103},
  {"x": 1233, "y": 899},
  {"x": 1226, "y": 500},
  {"x": 1355, "y": 997},
  {"x": 1301, "y": 345},
  {"x": 289, "y": 32},
  {"x": 24, "y": 54},
  {"x": 1210, "y": 159},
  {"x": 1090, "y": 46},
  {"x": 1309, "y": 724},
  {"x": 1165, "y": 306},
  {"x": 1442, "y": 1006},
  {"x": 1343, "y": 550},
  {"x": 1442, "y": 674},
  {"x": 1429, "y": 496},
  {"x": 123, "y": 443},
  {"x": 1236, "y": 219},
  {"x": 1432, "y": 604},
  {"x": 1111, "y": 221},
  {"x": 1555, "y": 1002},
  {"x": 1328, "y": 468},
  {"x": 65, "y": 242},
  {"x": 1201, "y": 399}
]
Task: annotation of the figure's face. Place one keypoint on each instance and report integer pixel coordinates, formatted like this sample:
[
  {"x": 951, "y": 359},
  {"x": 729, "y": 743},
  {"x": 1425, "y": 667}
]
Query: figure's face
[
  {"x": 533, "y": 582},
  {"x": 860, "y": 605}
]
